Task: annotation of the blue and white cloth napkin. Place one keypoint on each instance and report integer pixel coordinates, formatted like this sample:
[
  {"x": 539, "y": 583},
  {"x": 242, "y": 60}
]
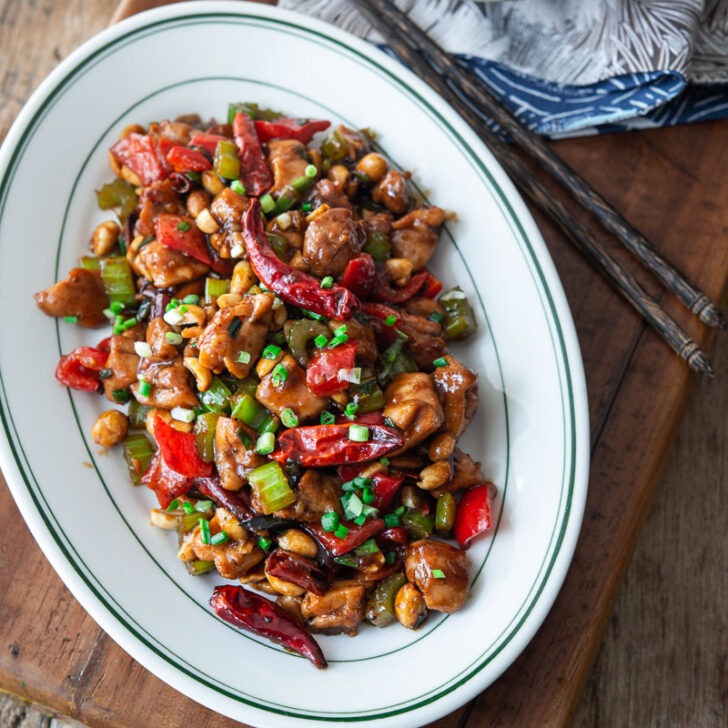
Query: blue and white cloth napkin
[{"x": 569, "y": 67}]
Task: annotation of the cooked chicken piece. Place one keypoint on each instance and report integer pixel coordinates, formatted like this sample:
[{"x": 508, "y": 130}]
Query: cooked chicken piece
[
  {"x": 466, "y": 472},
  {"x": 379, "y": 221},
  {"x": 232, "y": 458},
  {"x": 155, "y": 199},
  {"x": 415, "y": 235},
  {"x": 331, "y": 241},
  {"x": 227, "y": 208},
  {"x": 291, "y": 392},
  {"x": 392, "y": 191},
  {"x": 330, "y": 193},
  {"x": 425, "y": 339},
  {"x": 81, "y": 294},
  {"x": 288, "y": 159},
  {"x": 414, "y": 407},
  {"x": 165, "y": 267},
  {"x": 318, "y": 493},
  {"x": 339, "y": 610},
  {"x": 235, "y": 557},
  {"x": 178, "y": 131},
  {"x": 170, "y": 384},
  {"x": 292, "y": 230},
  {"x": 156, "y": 338},
  {"x": 363, "y": 334},
  {"x": 457, "y": 388},
  {"x": 424, "y": 557},
  {"x": 425, "y": 307},
  {"x": 223, "y": 340},
  {"x": 123, "y": 362}
]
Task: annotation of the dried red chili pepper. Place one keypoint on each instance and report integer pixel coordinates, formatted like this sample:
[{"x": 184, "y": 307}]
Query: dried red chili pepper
[
  {"x": 355, "y": 536},
  {"x": 431, "y": 287},
  {"x": 144, "y": 155},
  {"x": 258, "y": 615},
  {"x": 293, "y": 286},
  {"x": 206, "y": 141},
  {"x": 230, "y": 500},
  {"x": 297, "y": 570},
  {"x": 180, "y": 233},
  {"x": 254, "y": 171},
  {"x": 184, "y": 159},
  {"x": 387, "y": 294},
  {"x": 360, "y": 275},
  {"x": 165, "y": 482},
  {"x": 473, "y": 514},
  {"x": 320, "y": 446},
  {"x": 179, "y": 450},
  {"x": 285, "y": 128},
  {"x": 80, "y": 369}
]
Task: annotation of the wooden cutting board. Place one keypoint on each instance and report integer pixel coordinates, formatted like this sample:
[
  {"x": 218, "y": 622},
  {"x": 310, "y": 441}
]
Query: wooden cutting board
[{"x": 671, "y": 183}]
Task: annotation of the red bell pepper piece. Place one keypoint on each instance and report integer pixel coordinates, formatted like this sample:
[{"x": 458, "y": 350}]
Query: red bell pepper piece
[
  {"x": 473, "y": 514},
  {"x": 356, "y": 535},
  {"x": 184, "y": 159},
  {"x": 206, "y": 141},
  {"x": 168, "y": 484},
  {"x": 386, "y": 486},
  {"x": 360, "y": 275},
  {"x": 300, "y": 129},
  {"x": 180, "y": 233},
  {"x": 80, "y": 369},
  {"x": 144, "y": 155},
  {"x": 254, "y": 171},
  {"x": 431, "y": 287},
  {"x": 179, "y": 450},
  {"x": 258, "y": 615},
  {"x": 386, "y": 293},
  {"x": 322, "y": 373},
  {"x": 293, "y": 286},
  {"x": 318, "y": 446}
]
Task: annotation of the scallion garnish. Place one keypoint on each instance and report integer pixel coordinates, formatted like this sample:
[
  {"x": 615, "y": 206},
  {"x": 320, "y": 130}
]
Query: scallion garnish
[
  {"x": 350, "y": 410},
  {"x": 439, "y": 362},
  {"x": 340, "y": 330},
  {"x": 267, "y": 203},
  {"x": 143, "y": 349},
  {"x": 436, "y": 316},
  {"x": 337, "y": 341},
  {"x": 310, "y": 171},
  {"x": 327, "y": 282},
  {"x": 280, "y": 374},
  {"x": 173, "y": 506},
  {"x": 352, "y": 505},
  {"x": 145, "y": 389},
  {"x": 341, "y": 531},
  {"x": 360, "y": 520},
  {"x": 330, "y": 521},
  {"x": 173, "y": 338},
  {"x": 327, "y": 418},
  {"x": 237, "y": 186},
  {"x": 367, "y": 496},
  {"x": 320, "y": 341},
  {"x": 358, "y": 433},
  {"x": 384, "y": 461},
  {"x": 391, "y": 520},
  {"x": 289, "y": 418},
  {"x": 71, "y": 319},
  {"x": 438, "y": 574},
  {"x": 312, "y": 315},
  {"x": 203, "y": 505},
  {"x": 391, "y": 320},
  {"x": 244, "y": 357},
  {"x": 183, "y": 226},
  {"x": 266, "y": 443},
  {"x": 173, "y": 317},
  {"x": 219, "y": 538},
  {"x": 265, "y": 543},
  {"x": 306, "y": 207},
  {"x": 191, "y": 299},
  {"x": 182, "y": 414},
  {"x": 204, "y": 531},
  {"x": 188, "y": 508},
  {"x": 120, "y": 395},
  {"x": 271, "y": 352}
]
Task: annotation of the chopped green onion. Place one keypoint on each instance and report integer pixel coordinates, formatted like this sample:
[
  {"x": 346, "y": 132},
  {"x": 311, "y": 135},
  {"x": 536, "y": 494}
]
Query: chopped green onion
[
  {"x": 350, "y": 410},
  {"x": 438, "y": 574},
  {"x": 337, "y": 340},
  {"x": 312, "y": 315},
  {"x": 173, "y": 317},
  {"x": 369, "y": 511},
  {"x": 436, "y": 316},
  {"x": 191, "y": 299},
  {"x": 271, "y": 487},
  {"x": 219, "y": 538},
  {"x": 341, "y": 531},
  {"x": 116, "y": 307},
  {"x": 367, "y": 496},
  {"x": 244, "y": 357},
  {"x": 358, "y": 433},
  {"x": 360, "y": 520},
  {"x": 368, "y": 547},
  {"x": 327, "y": 282},
  {"x": 173, "y": 338},
  {"x": 349, "y": 487},
  {"x": 173, "y": 506},
  {"x": 237, "y": 186},
  {"x": 280, "y": 374},
  {"x": 247, "y": 409},
  {"x": 329, "y": 521},
  {"x": 143, "y": 349},
  {"x": 182, "y": 414},
  {"x": 267, "y": 203},
  {"x": 265, "y": 543},
  {"x": 203, "y": 505},
  {"x": 340, "y": 331},
  {"x": 384, "y": 461},
  {"x": 440, "y": 362},
  {"x": 320, "y": 341},
  {"x": 120, "y": 395},
  {"x": 204, "y": 531},
  {"x": 188, "y": 508},
  {"x": 306, "y": 206},
  {"x": 289, "y": 418},
  {"x": 349, "y": 375},
  {"x": 391, "y": 320},
  {"x": 310, "y": 171},
  {"x": 352, "y": 505},
  {"x": 391, "y": 520},
  {"x": 327, "y": 418},
  {"x": 234, "y": 327},
  {"x": 183, "y": 226},
  {"x": 271, "y": 352},
  {"x": 71, "y": 319},
  {"x": 173, "y": 303},
  {"x": 361, "y": 482},
  {"x": 390, "y": 557},
  {"x": 145, "y": 389},
  {"x": 266, "y": 443}
]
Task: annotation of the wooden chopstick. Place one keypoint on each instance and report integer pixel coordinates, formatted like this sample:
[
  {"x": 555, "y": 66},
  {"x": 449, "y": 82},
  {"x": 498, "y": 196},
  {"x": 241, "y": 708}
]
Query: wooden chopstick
[
  {"x": 465, "y": 84},
  {"x": 575, "y": 231}
]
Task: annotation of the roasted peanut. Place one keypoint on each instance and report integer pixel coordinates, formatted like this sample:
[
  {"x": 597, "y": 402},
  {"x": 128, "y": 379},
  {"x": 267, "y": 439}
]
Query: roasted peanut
[
  {"x": 110, "y": 428},
  {"x": 409, "y": 606},
  {"x": 104, "y": 237}
]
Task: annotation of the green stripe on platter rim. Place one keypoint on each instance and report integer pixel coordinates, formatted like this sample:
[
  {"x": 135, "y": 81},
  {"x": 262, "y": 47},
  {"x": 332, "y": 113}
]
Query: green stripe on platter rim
[{"x": 539, "y": 278}]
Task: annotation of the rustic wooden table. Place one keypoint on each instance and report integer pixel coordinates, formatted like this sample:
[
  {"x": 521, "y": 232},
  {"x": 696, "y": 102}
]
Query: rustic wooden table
[{"x": 663, "y": 645}]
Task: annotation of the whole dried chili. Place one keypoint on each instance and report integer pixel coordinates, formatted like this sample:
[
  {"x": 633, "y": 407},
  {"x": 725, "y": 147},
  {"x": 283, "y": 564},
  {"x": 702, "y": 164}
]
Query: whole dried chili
[
  {"x": 258, "y": 615},
  {"x": 355, "y": 535},
  {"x": 293, "y": 286},
  {"x": 297, "y": 570},
  {"x": 320, "y": 446},
  {"x": 254, "y": 171},
  {"x": 285, "y": 128},
  {"x": 167, "y": 484},
  {"x": 387, "y": 294},
  {"x": 145, "y": 155},
  {"x": 230, "y": 500}
]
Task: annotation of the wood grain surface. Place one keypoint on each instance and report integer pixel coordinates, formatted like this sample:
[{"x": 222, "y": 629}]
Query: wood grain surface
[{"x": 663, "y": 660}]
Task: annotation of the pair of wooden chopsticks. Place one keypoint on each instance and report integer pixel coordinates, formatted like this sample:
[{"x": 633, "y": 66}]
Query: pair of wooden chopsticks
[{"x": 480, "y": 109}]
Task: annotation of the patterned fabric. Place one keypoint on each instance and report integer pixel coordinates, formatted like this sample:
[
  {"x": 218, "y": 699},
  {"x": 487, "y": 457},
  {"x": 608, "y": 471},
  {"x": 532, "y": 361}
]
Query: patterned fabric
[{"x": 577, "y": 66}]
